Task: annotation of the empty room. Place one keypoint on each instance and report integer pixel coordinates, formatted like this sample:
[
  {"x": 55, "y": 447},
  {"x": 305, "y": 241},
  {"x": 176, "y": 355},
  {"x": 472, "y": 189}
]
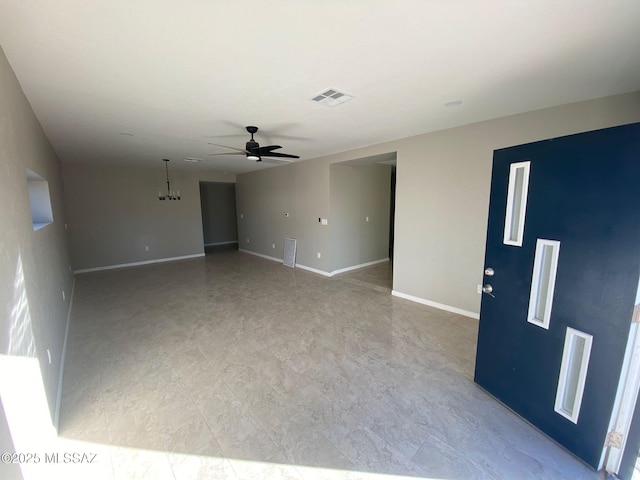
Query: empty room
[{"x": 319, "y": 240}]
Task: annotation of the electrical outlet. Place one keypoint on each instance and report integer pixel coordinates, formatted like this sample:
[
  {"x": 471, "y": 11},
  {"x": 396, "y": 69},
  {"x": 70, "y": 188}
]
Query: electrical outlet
[
  {"x": 241, "y": 216},
  {"x": 273, "y": 245},
  {"x": 247, "y": 240},
  {"x": 366, "y": 219},
  {"x": 146, "y": 248},
  {"x": 319, "y": 255},
  {"x": 324, "y": 221}
]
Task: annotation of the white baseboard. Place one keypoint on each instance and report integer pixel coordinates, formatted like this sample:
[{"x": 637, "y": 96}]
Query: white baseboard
[
  {"x": 220, "y": 243},
  {"x": 342, "y": 270},
  {"x": 273, "y": 259},
  {"x": 356, "y": 267},
  {"x": 136, "y": 264},
  {"x": 314, "y": 270},
  {"x": 56, "y": 413},
  {"x": 440, "y": 306},
  {"x": 280, "y": 260}
]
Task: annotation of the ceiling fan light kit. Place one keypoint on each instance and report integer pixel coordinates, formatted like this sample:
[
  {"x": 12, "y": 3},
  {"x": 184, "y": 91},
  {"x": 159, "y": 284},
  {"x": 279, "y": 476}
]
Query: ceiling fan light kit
[
  {"x": 253, "y": 150},
  {"x": 170, "y": 195}
]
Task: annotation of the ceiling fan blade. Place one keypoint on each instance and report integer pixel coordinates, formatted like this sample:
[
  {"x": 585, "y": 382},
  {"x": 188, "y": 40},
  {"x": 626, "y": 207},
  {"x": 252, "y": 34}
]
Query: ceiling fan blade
[
  {"x": 232, "y": 148},
  {"x": 276, "y": 161},
  {"x": 254, "y": 151},
  {"x": 268, "y": 149},
  {"x": 281, "y": 155}
]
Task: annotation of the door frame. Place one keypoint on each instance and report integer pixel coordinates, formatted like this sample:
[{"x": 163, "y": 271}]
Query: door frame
[{"x": 625, "y": 402}]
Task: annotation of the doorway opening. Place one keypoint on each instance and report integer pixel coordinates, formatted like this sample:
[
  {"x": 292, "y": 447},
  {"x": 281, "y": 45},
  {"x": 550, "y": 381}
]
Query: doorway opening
[
  {"x": 362, "y": 214},
  {"x": 219, "y": 221}
]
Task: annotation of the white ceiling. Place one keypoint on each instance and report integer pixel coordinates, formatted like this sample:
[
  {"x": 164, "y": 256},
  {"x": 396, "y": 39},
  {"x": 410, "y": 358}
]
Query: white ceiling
[{"x": 179, "y": 74}]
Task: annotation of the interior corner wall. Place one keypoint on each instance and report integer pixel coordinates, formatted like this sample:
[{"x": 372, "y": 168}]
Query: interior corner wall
[
  {"x": 442, "y": 196},
  {"x": 360, "y": 209},
  {"x": 218, "y": 205},
  {"x": 114, "y": 213},
  {"x": 34, "y": 264}
]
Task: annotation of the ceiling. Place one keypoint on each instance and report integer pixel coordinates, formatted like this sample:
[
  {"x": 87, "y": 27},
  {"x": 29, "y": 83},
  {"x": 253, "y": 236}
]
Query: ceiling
[{"x": 175, "y": 75}]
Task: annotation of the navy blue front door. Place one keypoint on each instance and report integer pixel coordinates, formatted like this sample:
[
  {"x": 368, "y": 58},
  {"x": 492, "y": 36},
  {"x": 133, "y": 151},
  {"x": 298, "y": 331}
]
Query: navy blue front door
[{"x": 584, "y": 192}]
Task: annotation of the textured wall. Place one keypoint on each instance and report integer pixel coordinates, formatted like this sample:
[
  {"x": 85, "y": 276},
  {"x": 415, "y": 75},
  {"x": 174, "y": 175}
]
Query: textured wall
[
  {"x": 34, "y": 265},
  {"x": 358, "y": 192},
  {"x": 262, "y": 202},
  {"x": 265, "y": 197},
  {"x": 114, "y": 213}
]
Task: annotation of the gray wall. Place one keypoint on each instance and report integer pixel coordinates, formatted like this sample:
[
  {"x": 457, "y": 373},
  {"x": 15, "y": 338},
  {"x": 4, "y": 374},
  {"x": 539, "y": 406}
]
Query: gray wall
[
  {"x": 218, "y": 204},
  {"x": 443, "y": 181},
  {"x": 303, "y": 190},
  {"x": 262, "y": 202},
  {"x": 358, "y": 192},
  {"x": 34, "y": 265},
  {"x": 114, "y": 213},
  {"x": 443, "y": 186},
  {"x": 264, "y": 197}
]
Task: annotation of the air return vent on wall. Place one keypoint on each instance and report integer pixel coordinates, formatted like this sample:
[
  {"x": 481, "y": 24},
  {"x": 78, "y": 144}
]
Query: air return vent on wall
[
  {"x": 331, "y": 97},
  {"x": 289, "y": 252}
]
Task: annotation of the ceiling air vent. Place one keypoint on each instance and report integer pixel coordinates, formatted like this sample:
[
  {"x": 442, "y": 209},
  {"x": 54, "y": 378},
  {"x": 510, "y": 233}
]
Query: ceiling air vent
[{"x": 331, "y": 97}]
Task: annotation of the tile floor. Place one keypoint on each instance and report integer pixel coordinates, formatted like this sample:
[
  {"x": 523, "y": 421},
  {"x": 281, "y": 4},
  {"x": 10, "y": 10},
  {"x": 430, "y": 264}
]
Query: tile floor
[{"x": 234, "y": 367}]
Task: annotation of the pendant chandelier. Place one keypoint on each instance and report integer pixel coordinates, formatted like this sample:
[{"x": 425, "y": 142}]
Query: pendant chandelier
[{"x": 175, "y": 195}]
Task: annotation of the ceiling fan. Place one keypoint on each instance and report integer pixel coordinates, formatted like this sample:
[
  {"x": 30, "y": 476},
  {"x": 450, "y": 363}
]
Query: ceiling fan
[{"x": 255, "y": 152}]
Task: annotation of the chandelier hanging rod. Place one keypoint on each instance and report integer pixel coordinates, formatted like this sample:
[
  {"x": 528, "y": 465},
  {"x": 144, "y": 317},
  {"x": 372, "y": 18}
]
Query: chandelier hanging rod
[{"x": 169, "y": 195}]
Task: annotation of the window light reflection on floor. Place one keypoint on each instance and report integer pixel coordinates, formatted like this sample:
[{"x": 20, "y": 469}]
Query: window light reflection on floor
[{"x": 78, "y": 460}]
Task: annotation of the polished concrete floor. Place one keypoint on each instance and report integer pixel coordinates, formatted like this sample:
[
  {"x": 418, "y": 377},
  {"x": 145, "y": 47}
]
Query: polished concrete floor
[{"x": 233, "y": 366}]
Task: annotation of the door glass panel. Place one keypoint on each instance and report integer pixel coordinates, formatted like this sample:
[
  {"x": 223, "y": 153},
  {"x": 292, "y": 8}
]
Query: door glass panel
[
  {"x": 516, "y": 203},
  {"x": 573, "y": 373},
  {"x": 543, "y": 282}
]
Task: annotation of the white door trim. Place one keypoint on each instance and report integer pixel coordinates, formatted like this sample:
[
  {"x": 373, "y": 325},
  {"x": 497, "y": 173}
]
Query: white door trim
[{"x": 626, "y": 397}]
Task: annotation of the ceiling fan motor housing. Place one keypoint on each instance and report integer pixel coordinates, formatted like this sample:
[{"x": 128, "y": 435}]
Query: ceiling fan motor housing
[{"x": 253, "y": 149}]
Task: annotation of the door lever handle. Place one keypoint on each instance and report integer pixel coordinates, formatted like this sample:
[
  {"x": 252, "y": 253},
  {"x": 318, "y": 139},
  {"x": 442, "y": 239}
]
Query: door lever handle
[{"x": 488, "y": 289}]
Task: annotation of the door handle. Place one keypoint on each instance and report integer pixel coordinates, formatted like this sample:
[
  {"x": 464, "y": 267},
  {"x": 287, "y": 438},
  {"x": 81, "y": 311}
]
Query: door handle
[{"x": 488, "y": 289}]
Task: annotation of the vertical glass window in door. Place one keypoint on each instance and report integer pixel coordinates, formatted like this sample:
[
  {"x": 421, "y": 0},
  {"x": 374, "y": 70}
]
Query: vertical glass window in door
[
  {"x": 516, "y": 203},
  {"x": 573, "y": 373},
  {"x": 543, "y": 281}
]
